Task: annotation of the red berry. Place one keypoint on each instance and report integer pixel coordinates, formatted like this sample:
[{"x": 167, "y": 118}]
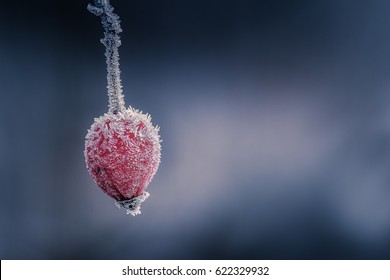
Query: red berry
[
  {"x": 122, "y": 148},
  {"x": 122, "y": 153}
]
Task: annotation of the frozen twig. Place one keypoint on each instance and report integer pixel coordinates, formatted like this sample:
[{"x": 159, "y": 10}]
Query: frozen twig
[{"x": 111, "y": 41}]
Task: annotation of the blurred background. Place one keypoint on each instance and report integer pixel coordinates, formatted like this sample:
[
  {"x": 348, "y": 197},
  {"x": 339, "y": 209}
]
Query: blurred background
[{"x": 274, "y": 115}]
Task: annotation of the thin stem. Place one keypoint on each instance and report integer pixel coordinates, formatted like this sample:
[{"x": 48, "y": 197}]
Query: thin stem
[{"x": 111, "y": 41}]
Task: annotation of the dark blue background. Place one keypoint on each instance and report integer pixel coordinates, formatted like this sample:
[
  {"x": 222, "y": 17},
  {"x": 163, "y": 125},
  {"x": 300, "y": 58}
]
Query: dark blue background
[{"x": 275, "y": 117}]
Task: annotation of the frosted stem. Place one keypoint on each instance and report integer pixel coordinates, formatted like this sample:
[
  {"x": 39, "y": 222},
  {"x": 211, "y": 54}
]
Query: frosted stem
[{"x": 111, "y": 41}]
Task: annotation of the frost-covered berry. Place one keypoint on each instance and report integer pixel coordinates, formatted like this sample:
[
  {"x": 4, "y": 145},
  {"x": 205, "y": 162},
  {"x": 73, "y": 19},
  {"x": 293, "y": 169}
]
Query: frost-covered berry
[
  {"x": 122, "y": 153},
  {"x": 122, "y": 148}
]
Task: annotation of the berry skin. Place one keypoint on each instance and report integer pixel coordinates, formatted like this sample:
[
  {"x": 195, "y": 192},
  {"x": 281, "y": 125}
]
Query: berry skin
[{"x": 122, "y": 154}]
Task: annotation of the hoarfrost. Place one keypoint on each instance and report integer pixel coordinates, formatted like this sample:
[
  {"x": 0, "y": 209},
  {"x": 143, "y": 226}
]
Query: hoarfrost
[{"x": 111, "y": 41}]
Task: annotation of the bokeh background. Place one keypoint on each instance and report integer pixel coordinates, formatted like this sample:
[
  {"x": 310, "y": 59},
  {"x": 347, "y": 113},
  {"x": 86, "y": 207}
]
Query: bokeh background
[{"x": 274, "y": 115}]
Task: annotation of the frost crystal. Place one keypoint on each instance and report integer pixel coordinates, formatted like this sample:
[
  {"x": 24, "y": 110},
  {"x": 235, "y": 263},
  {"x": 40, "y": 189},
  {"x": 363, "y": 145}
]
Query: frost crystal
[{"x": 111, "y": 41}]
